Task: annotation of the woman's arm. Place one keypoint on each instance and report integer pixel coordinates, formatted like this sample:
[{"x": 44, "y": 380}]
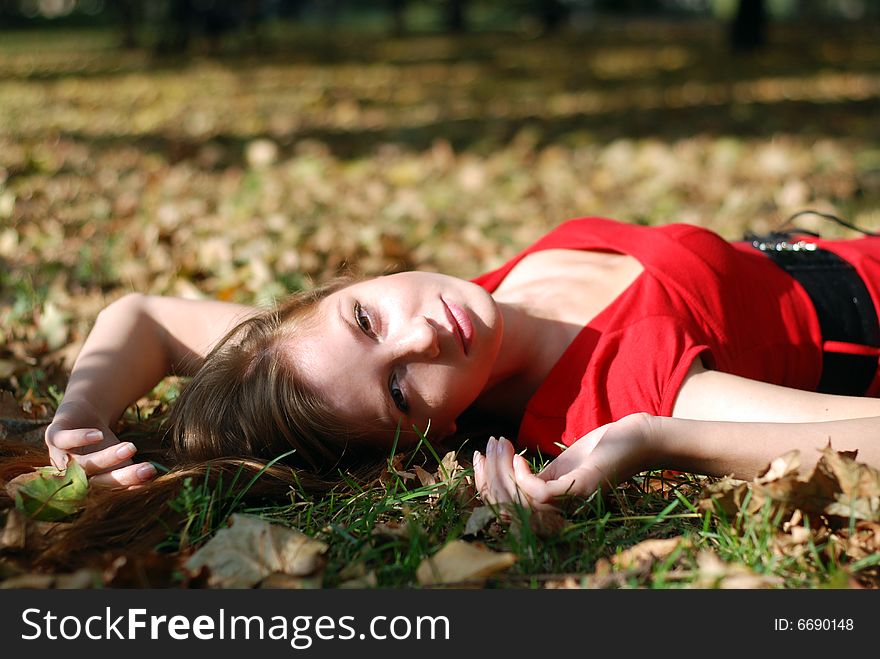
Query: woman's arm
[
  {"x": 638, "y": 442},
  {"x": 722, "y": 425},
  {"x": 744, "y": 449},
  {"x": 135, "y": 342},
  {"x": 716, "y": 396}
]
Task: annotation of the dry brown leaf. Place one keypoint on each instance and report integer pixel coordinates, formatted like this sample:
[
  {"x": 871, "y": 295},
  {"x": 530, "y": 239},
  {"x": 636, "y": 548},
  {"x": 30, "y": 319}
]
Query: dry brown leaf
[
  {"x": 14, "y": 532},
  {"x": 715, "y": 573},
  {"x": 250, "y": 549},
  {"x": 667, "y": 481},
  {"x": 424, "y": 477},
  {"x": 478, "y": 519},
  {"x": 29, "y": 581},
  {"x": 837, "y": 486},
  {"x": 728, "y": 494},
  {"x": 547, "y": 523},
  {"x": 864, "y": 541},
  {"x": 149, "y": 570},
  {"x": 792, "y": 543},
  {"x": 465, "y": 563},
  {"x": 782, "y": 467},
  {"x": 858, "y": 483},
  {"x": 448, "y": 468},
  {"x": 394, "y": 470},
  {"x": 15, "y": 420},
  {"x": 391, "y": 529},
  {"x": 283, "y": 581},
  {"x": 368, "y": 580},
  {"x": 568, "y": 583},
  {"x": 647, "y": 551}
]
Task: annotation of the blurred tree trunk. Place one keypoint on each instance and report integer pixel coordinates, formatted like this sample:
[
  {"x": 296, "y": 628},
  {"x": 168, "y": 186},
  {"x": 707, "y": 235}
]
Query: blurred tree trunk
[
  {"x": 552, "y": 14},
  {"x": 455, "y": 19},
  {"x": 177, "y": 28},
  {"x": 398, "y": 16},
  {"x": 749, "y": 28},
  {"x": 129, "y": 11}
]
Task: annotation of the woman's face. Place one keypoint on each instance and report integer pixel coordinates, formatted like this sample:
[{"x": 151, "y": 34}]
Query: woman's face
[{"x": 414, "y": 348}]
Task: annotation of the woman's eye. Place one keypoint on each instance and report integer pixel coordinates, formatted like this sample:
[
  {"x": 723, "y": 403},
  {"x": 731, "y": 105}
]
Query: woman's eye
[
  {"x": 397, "y": 395},
  {"x": 362, "y": 319}
]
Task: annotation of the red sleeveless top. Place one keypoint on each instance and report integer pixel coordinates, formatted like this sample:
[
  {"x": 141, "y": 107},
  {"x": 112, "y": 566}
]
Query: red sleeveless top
[{"x": 698, "y": 296}]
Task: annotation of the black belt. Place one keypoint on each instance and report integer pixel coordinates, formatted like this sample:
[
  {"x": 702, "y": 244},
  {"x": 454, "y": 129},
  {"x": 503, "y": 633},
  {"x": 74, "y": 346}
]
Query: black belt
[{"x": 843, "y": 306}]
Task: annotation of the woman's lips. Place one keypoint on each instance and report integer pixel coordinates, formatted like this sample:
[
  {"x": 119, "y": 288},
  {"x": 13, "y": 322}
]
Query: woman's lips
[{"x": 462, "y": 323}]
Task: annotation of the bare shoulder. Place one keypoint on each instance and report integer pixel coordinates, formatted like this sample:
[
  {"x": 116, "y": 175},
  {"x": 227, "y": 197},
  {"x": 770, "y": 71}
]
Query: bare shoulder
[{"x": 194, "y": 327}]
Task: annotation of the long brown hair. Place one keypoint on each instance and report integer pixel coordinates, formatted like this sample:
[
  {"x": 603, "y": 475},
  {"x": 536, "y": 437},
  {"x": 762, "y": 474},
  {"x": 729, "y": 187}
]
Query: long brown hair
[{"x": 243, "y": 409}]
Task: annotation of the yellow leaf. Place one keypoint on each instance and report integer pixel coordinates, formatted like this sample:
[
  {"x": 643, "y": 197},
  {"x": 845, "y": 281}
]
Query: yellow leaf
[
  {"x": 464, "y": 563},
  {"x": 251, "y": 549},
  {"x": 646, "y": 551}
]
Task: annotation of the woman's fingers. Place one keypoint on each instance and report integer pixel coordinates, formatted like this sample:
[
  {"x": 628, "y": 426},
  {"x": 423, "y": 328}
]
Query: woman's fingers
[
  {"x": 57, "y": 458},
  {"x": 130, "y": 476},
  {"x": 111, "y": 457},
  {"x": 532, "y": 486},
  {"x": 498, "y": 471},
  {"x": 59, "y": 442},
  {"x": 77, "y": 438},
  {"x": 495, "y": 474}
]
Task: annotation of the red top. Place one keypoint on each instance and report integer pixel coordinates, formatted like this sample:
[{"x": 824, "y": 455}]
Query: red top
[{"x": 698, "y": 296}]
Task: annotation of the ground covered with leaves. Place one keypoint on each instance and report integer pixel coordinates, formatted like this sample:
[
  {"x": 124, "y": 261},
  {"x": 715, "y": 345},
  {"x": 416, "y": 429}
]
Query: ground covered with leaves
[{"x": 241, "y": 177}]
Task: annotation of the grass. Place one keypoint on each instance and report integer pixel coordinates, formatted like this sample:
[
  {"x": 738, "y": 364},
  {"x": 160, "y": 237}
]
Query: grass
[{"x": 386, "y": 531}]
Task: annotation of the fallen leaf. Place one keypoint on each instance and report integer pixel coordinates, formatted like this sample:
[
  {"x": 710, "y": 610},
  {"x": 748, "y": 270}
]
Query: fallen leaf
[
  {"x": 547, "y": 523},
  {"x": 391, "y": 529},
  {"x": 48, "y": 494},
  {"x": 14, "y": 532},
  {"x": 715, "y": 573},
  {"x": 568, "y": 583},
  {"x": 393, "y": 471},
  {"x": 449, "y": 468},
  {"x": 53, "y": 325},
  {"x": 284, "y": 581},
  {"x": 782, "y": 467},
  {"x": 149, "y": 570},
  {"x": 647, "y": 551},
  {"x": 858, "y": 484},
  {"x": 727, "y": 494},
  {"x": 356, "y": 575},
  {"x": 15, "y": 421},
  {"x": 29, "y": 581},
  {"x": 479, "y": 518},
  {"x": 250, "y": 549},
  {"x": 369, "y": 580},
  {"x": 424, "y": 477},
  {"x": 460, "y": 562}
]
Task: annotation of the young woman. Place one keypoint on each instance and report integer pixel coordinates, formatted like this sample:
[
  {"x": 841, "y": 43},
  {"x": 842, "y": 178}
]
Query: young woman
[{"x": 634, "y": 347}]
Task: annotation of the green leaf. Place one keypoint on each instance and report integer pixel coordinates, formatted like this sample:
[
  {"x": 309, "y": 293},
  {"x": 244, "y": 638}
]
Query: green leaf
[{"x": 48, "y": 494}]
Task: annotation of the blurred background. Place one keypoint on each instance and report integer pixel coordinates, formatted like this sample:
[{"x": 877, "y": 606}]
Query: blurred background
[{"x": 239, "y": 150}]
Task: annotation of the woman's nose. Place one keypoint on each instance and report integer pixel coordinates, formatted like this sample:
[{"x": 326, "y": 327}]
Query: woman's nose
[{"x": 419, "y": 338}]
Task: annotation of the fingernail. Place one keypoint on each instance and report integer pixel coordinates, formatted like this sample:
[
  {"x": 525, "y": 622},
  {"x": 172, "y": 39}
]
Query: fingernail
[
  {"x": 146, "y": 471},
  {"x": 126, "y": 450},
  {"x": 94, "y": 434}
]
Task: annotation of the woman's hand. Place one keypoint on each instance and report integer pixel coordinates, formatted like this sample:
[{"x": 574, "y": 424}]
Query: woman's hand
[
  {"x": 608, "y": 454},
  {"x": 106, "y": 461}
]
